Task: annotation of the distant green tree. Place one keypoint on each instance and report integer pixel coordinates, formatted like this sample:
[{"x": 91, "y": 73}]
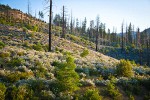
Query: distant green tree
[
  {"x": 57, "y": 20},
  {"x": 41, "y": 15}
]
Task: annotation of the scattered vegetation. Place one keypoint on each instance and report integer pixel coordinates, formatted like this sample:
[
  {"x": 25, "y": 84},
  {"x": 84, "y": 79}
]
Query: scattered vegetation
[{"x": 28, "y": 71}]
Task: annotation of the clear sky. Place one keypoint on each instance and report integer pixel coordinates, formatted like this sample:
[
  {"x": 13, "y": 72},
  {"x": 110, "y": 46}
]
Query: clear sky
[{"x": 111, "y": 12}]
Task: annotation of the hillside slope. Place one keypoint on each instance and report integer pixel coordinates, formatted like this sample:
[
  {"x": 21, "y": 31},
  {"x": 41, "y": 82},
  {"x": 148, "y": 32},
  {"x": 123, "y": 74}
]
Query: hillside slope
[
  {"x": 27, "y": 69},
  {"x": 15, "y": 39}
]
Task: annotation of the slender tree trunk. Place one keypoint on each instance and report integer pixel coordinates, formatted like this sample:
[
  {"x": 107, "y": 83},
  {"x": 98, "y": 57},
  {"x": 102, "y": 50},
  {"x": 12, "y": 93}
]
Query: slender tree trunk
[
  {"x": 63, "y": 27},
  {"x": 71, "y": 24},
  {"x": 122, "y": 45},
  {"x": 96, "y": 40},
  {"x": 147, "y": 52},
  {"x": 50, "y": 26}
]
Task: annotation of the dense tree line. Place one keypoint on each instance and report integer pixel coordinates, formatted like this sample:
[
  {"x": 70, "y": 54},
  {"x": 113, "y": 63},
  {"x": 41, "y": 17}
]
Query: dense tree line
[{"x": 96, "y": 32}]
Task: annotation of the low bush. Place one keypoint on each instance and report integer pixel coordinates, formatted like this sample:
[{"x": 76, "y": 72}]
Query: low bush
[
  {"x": 113, "y": 92},
  {"x": 15, "y": 62},
  {"x": 24, "y": 29},
  {"x": 92, "y": 94},
  {"x": 25, "y": 44},
  {"x": 38, "y": 47},
  {"x": 15, "y": 76},
  {"x": 84, "y": 53},
  {"x": 20, "y": 53},
  {"x": 20, "y": 93},
  {"x": 4, "y": 54},
  {"x": 2, "y": 91},
  {"x": 2, "y": 45},
  {"x": 124, "y": 68}
]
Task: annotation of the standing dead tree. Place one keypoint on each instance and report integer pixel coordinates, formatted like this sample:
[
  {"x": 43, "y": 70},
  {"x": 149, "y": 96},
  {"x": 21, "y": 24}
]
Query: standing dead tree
[
  {"x": 64, "y": 23},
  {"x": 97, "y": 33},
  {"x": 122, "y": 43},
  {"x": 50, "y": 27}
]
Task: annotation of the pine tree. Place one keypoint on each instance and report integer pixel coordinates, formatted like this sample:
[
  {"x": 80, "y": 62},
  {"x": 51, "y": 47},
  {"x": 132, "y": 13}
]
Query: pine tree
[{"x": 67, "y": 78}]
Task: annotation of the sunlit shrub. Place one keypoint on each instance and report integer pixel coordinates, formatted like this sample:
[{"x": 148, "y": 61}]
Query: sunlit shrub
[
  {"x": 4, "y": 54},
  {"x": 37, "y": 47},
  {"x": 20, "y": 53},
  {"x": 20, "y": 93},
  {"x": 15, "y": 62},
  {"x": 25, "y": 44},
  {"x": 84, "y": 53},
  {"x": 2, "y": 91},
  {"x": 113, "y": 92},
  {"x": 92, "y": 94},
  {"x": 124, "y": 68},
  {"x": 15, "y": 76},
  {"x": 24, "y": 29},
  {"x": 2, "y": 45}
]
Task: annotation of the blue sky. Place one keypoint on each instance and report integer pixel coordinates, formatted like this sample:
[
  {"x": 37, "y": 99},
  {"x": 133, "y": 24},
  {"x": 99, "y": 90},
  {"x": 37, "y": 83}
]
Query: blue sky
[{"x": 111, "y": 12}]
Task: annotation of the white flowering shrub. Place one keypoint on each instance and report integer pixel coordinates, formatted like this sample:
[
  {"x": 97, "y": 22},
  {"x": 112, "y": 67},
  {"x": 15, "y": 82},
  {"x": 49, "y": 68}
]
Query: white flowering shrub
[{"x": 87, "y": 82}]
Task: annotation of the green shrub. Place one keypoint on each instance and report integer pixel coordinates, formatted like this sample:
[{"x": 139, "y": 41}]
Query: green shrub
[
  {"x": 70, "y": 59},
  {"x": 45, "y": 47},
  {"x": 20, "y": 53},
  {"x": 31, "y": 35},
  {"x": 84, "y": 53},
  {"x": 4, "y": 54},
  {"x": 66, "y": 53},
  {"x": 2, "y": 45},
  {"x": 24, "y": 29},
  {"x": 25, "y": 44},
  {"x": 2, "y": 91},
  {"x": 131, "y": 97},
  {"x": 113, "y": 92},
  {"x": 67, "y": 78},
  {"x": 15, "y": 76},
  {"x": 20, "y": 93},
  {"x": 37, "y": 47},
  {"x": 15, "y": 62},
  {"x": 29, "y": 27},
  {"x": 124, "y": 68},
  {"x": 92, "y": 94},
  {"x": 34, "y": 28}
]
